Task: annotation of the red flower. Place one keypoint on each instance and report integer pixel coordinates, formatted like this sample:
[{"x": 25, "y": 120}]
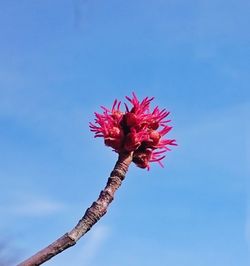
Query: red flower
[{"x": 136, "y": 130}]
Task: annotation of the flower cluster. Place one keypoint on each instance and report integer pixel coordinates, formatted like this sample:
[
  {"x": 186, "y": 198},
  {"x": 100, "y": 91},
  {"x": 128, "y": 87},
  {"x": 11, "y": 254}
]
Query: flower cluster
[{"x": 136, "y": 130}]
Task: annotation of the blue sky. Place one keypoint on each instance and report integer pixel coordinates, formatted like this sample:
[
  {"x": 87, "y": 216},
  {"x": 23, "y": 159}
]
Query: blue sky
[{"x": 61, "y": 60}]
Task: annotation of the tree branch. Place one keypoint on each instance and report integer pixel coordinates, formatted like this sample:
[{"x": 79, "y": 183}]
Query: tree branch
[{"x": 91, "y": 216}]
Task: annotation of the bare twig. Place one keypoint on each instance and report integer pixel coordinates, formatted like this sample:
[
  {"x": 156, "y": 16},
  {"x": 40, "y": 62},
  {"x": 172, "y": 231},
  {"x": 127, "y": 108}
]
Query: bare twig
[{"x": 91, "y": 216}]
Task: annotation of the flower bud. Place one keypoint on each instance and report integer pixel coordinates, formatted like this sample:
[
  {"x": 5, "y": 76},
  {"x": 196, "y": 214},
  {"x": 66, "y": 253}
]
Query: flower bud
[
  {"x": 130, "y": 119},
  {"x": 132, "y": 142},
  {"x": 141, "y": 158}
]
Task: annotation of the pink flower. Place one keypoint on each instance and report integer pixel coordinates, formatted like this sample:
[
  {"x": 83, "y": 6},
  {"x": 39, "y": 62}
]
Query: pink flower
[{"x": 136, "y": 130}]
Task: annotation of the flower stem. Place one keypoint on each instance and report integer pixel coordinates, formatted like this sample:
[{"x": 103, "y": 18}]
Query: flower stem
[{"x": 91, "y": 216}]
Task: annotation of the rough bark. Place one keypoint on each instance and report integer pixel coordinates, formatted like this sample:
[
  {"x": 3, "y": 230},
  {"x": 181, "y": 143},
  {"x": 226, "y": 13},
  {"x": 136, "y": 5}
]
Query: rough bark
[{"x": 91, "y": 216}]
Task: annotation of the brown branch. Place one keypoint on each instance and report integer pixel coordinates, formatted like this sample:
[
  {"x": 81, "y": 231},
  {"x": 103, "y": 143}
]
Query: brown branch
[{"x": 91, "y": 216}]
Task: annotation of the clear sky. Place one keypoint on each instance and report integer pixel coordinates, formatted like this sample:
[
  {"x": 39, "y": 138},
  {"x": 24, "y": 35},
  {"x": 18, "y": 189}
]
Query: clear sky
[{"x": 61, "y": 60}]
